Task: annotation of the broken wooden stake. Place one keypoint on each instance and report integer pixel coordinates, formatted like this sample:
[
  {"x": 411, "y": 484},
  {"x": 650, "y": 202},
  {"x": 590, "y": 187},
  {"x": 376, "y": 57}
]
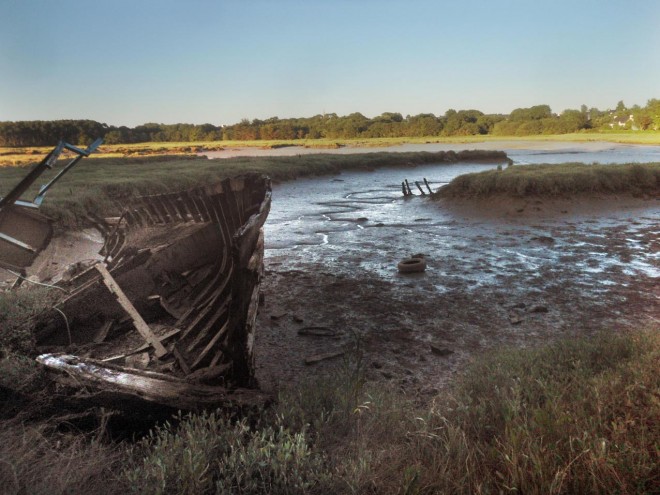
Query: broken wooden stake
[
  {"x": 427, "y": 186},
  {"x": 126, "y": 304},
  {"x": 408, "y": 187},
  {"x": 420, "y": 188}
]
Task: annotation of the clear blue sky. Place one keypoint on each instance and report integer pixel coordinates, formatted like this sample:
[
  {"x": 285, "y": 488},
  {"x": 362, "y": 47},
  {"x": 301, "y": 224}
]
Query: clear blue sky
[{"x": 131, "y": 62}]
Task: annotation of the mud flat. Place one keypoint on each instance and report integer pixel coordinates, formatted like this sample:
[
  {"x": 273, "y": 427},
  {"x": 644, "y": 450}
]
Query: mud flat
[{"x": 501, "y": 273}]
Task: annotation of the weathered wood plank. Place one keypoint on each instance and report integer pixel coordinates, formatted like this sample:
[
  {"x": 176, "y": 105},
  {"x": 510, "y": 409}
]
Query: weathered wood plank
[{"x": 139, "y": 323}]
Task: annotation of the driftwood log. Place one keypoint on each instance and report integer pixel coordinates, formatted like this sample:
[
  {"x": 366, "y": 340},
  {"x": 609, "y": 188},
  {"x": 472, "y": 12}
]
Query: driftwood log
[{"x": 132, "y": 390}]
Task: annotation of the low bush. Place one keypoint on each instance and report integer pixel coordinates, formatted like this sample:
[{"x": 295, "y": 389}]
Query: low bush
[{"x": 207, "y": 453}]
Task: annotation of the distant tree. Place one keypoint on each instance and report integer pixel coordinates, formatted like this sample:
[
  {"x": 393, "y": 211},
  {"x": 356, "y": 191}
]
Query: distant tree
[{"x": 537, "y": 112}]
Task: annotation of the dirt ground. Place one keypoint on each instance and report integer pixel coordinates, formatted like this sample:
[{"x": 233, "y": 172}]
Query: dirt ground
[{"x": 419, "y": 330}]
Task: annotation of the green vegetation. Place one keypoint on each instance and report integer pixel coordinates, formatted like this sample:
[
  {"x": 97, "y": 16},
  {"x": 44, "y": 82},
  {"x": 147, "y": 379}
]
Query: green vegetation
[
  {"x": 536, "y": 120},
  {"x": 577, "y": 416},
  {"x": 95, "y": 187},
  {"x": 557, "y": 181},
  {"x": 16, "y": 308}
]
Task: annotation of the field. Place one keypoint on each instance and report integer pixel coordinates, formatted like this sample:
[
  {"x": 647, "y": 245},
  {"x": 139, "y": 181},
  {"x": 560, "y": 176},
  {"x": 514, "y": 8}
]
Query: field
[{"x": 18, "y": 156}]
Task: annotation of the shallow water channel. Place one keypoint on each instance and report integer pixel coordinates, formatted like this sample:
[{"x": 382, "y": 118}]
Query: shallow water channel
[{"x": 361, "y": 221}]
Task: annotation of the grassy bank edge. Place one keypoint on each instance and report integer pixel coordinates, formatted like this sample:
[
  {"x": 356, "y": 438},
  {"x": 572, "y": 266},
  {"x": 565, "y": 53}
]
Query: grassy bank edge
[{"x": 556, "y": 181}]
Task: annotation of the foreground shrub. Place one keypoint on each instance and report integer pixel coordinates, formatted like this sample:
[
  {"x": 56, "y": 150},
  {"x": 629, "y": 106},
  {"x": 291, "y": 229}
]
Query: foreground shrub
[{"x": 209, "y": 454}]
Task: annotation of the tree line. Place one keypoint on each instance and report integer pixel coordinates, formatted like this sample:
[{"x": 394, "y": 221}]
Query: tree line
[{"x": 534, "y": 120}]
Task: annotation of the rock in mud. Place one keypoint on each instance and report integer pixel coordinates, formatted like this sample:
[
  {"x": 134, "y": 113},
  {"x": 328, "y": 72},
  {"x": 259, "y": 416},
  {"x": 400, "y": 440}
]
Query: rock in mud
[
  {"x": 514, "y": 319},
  {"x": 440, "y": 351},
  {"x": 543, "y": 239}
]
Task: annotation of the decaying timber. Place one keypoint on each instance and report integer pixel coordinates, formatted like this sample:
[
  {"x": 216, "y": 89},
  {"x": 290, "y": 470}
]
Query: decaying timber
[{"x": 169, "y": 316}]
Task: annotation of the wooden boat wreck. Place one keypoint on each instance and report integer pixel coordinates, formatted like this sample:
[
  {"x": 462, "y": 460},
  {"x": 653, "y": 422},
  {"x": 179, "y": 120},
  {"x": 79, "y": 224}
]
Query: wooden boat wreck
[{"x": 167, "y": 318}]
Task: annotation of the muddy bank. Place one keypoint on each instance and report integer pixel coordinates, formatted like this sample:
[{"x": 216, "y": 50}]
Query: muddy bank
[{"x": 498, "y": 207}]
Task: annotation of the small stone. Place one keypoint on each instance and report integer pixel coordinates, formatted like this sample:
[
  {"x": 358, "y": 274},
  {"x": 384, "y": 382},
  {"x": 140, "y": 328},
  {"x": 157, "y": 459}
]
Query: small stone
[
  {"x": 538, "y": 308},
  {"x": 297, "y": 319},
  {"x": 514, "y": 319},
  {"x": 376, "y": 364},
  {"x": 363, "y": 219}
]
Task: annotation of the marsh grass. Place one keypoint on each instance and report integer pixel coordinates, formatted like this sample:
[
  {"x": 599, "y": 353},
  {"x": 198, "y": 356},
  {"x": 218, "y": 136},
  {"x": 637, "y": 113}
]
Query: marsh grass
[
  {"x": 577, "y": 416},
  {"x": 98, "y": 187},
  {"x": 34, "y": 460},
  {"x": 563, "y": 180}
]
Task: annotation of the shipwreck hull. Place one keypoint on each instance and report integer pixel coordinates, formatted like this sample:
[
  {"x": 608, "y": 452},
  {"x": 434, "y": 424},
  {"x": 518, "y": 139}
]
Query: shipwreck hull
[{"x": 190, "y": 265}]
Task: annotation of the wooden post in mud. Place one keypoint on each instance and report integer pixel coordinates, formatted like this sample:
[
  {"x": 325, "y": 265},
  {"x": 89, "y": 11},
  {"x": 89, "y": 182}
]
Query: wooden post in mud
[
  {"x": 403, "y": 189},
  {"x": 427, "y": 186},
  {"x": 408, "y": 187},
  {"x": 420, "y": 188},
  {"x": 125, "y": 303}
]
